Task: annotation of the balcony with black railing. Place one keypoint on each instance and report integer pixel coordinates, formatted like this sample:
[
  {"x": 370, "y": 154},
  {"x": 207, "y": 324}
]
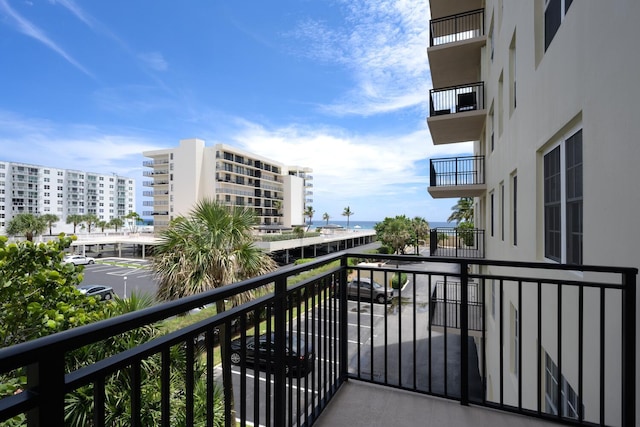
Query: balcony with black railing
[
  {"x": 457, "y": 177},
  {"x": 444, "y": 8},
  {"x": 154, "y": 163},
  {"x": 457, "y": 113},
  {"x": 456, "y": 242},
  {"x": 446, "y": 306},
  {"x": 321, "y": 341},
  {"x": 455, "y": 46}
]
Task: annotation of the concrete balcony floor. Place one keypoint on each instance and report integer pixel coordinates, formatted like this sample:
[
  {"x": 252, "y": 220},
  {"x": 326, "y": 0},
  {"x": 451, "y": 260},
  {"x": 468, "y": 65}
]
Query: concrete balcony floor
[{"x": 363, "y": 404}]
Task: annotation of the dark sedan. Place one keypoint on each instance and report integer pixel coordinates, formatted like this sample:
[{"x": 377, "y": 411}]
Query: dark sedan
[
  {"x": 299, "y": 356},
  {"x": 100, "y": 292}
]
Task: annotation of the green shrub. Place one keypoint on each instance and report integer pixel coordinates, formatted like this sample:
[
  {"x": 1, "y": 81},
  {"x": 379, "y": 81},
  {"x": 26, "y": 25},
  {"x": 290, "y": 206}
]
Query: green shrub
[
  {"x": 397, "y": 284},
  {"x": 465, "y": 232},
  {"x": 384, "y": 250}
]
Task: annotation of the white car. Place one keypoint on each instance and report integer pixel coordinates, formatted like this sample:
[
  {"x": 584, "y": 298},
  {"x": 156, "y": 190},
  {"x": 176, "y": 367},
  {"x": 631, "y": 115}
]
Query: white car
[{"x": 78, "y": 260}]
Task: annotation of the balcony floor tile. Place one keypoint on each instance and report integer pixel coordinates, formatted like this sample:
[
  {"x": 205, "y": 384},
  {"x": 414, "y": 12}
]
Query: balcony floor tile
[{"x": 363, "y": 404}]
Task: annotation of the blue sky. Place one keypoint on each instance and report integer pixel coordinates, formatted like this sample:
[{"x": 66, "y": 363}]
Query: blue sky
[{"x": 339, "y": 86}]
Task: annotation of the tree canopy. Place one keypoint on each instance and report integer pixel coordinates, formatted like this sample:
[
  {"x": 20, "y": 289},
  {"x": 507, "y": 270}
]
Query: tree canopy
[
  {"x": 75, "y": 219},
  {"x": 399, "y": 232},
  {"x": 91, "y": 220},
  {"x": 26, "y": 224},
  {"x": 211, "y": 247},
  {"x": 116, "y": 223},
  {"x": 347, "y": 212},
  {"x": 38, "y": 294},
  {"x": 462, "y": 211},
  {"x": 326, "y": 217},
  {"x": 50, "y": 219},
  {"x": 308, "y": 212}
]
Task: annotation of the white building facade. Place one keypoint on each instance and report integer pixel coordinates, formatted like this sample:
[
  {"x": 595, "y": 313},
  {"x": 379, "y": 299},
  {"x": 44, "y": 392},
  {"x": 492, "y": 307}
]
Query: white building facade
[
  {"x": 183, "y": 175},
  {"x": 39, "y": 190},
  {"x": 547, "y": 91}
]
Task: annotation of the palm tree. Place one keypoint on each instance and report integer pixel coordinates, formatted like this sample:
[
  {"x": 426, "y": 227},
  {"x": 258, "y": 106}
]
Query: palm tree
[
  {"x": 75, "y": 219},
  {"x": 299, "y": 232},
  {"x": 50, "y": 219},
  {"x": 91, "y": 220},
  {"x": 210, "y": 248},
  {"x": 462, "y": 211},
  {"x": 421, "y": 228},
  {"x": 326, "y": 218},
  {"x": 102, "y": 225},
  {"x": 134, "y": 219},
  {"x": 308, "y": 212},
  {"x": 27, "y": 224},
  {"x": 347, "y": 212},
  {"x": 115, "y": 223}
]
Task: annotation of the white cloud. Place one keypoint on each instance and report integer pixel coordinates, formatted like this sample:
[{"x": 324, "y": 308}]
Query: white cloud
[
  {"x": 154, "y": 60},
  {"x": 383, "y": 44},
  {"x": 29, "y": 29},
  {"x": 387, "y": 174},
  {"x": 80, "y": 147}
]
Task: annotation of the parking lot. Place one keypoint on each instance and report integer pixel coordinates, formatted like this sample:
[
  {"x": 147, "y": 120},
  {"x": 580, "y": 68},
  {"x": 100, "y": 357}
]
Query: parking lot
[{"x": 120, "y": 273}]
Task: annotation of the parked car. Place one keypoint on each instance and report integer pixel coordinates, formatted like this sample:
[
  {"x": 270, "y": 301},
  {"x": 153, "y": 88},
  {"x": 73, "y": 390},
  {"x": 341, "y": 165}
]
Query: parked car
[
  {"x": 100, "y": 292},
  {"x": 369, "y": 290},
  {"x": 299, "y": 356},
  {"x": 78, "y": 260}
]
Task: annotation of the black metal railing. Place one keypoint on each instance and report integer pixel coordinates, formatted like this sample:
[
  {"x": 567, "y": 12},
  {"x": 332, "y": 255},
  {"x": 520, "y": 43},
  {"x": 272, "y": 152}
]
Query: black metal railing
[
  {"x": 463, "y": 26},
  {"x": 454, "y": 171},
  {"x": 446, "y": 305},
  {"x": 547, "y": 329},
  {"x": 457, "y": 242},
  {"x": 456, "y": 99}
]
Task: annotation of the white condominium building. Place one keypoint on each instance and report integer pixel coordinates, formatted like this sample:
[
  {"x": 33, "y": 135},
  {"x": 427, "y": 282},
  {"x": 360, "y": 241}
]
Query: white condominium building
[
  {"x": 183, "y": 175},
  {"x": 548, "y": 91},
  {"x": 26, "y": 188}
]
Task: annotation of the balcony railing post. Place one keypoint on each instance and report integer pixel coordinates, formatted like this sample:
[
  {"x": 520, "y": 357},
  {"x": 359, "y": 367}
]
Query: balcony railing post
[
  {"x": 341, "y": 288},
  {"x": 280, "y": 381},
  {"x": 464, "y": 333},
  {"x": 629, "y": 349},
  {"x": 47, "y": 378}
]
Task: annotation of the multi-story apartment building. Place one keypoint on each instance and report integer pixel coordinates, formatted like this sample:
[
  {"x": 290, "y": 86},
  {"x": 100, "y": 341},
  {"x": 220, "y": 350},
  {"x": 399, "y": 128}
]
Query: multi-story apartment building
[
  {"x": 26, "y": 188},
  {"x": 547, "y": 90},
  {"x": 190, "y": 172}
]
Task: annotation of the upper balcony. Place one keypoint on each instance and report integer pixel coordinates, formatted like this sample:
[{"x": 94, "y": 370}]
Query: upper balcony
[
  {"x": 446, "y": 307},
  {"x": 569, "y": 332},
  {"x": 442, "y": 8},
  {"x": 457, "y": 113},
  {"x": 155, "y": 172},
  {"x": 455, "y": 48},
  {"x": 154, "y": 163},
  {"x": 457, "y": 177},
  {"x": 456, "y": 242}
]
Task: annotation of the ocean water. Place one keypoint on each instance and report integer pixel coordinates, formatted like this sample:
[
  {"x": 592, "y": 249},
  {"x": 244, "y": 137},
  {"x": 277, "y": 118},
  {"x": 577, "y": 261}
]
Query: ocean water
[{"x": 368, "y": 225}]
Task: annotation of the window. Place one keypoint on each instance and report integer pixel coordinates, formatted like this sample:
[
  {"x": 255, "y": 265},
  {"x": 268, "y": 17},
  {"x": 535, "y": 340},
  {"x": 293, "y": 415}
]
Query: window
[
  {"x": 491, "y": 41},
  {"x": 502, "y": 211},
  {"x": 567, "y": 400},
  {"x": 554, "y": 13},
  {"x": 512, "y": 74},
  {"x": 492, "y": 123},
  {"x": 514, "y": 209},
  {"x": 515, "y": 341},
  {"x": 563, "y": 201},
  {"x": 574, "y": 198},
  {"x": 500, "y": 103},
  {"x": 493, "y": 299},
  {"x": 491, "y": 207}
]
